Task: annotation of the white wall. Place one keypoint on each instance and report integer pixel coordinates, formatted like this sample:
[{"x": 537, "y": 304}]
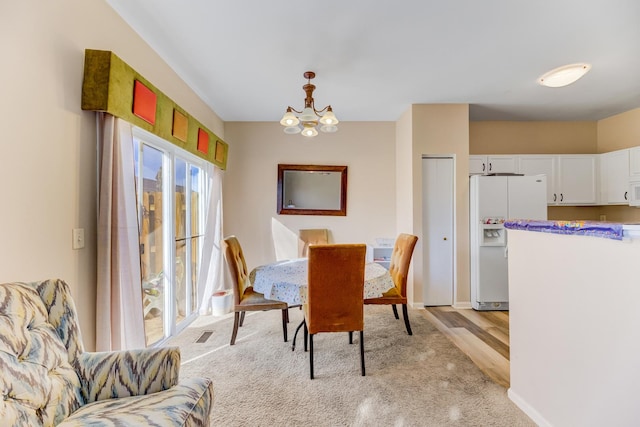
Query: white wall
[
  {"x": 574, "y": 336},
  {"x": 250, "y": 184},
  {"x": 47, "y": 144}
]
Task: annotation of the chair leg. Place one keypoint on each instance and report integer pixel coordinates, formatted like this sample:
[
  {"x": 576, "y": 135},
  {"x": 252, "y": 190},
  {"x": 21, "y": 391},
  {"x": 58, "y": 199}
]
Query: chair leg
[
  {"x": 293, "y": 345},
  {"x": 395, "y": 311},
  {"x": 236, "y": 320},
  {"x": 362, "y": 351},
  {"x": 405, "y": 314},
  {"x": 350, "y": 337},
  {"x": 242, "y": 318},
  {"x": 285, "y": 320},
  {"x": 311, "y": 355},
  {"x": 306, "y": 335}
]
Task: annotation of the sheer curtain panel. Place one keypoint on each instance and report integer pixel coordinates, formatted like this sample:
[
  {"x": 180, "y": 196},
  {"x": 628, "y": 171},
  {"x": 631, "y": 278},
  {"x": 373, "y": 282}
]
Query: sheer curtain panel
[
  {"x": 209, "y": 279},
  {"x": 119, "y": 319}
]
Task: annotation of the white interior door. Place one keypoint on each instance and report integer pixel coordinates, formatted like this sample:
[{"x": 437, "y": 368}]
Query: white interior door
[{"x": 437, "y": 223}]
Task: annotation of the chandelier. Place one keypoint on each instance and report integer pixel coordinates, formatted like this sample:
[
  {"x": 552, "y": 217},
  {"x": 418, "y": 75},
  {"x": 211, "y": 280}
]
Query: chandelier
[{"x": 308, "y": 119}]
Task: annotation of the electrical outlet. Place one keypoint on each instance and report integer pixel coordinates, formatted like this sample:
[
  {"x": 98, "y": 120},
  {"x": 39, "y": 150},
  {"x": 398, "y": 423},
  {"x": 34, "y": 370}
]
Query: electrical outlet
[
  {"x": 603, "y": 217},
  {"x": 77, "y": 238}
]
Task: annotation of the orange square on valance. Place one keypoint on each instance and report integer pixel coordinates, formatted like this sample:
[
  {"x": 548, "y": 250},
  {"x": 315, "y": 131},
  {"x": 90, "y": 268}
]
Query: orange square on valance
[
  {"x": 203, "y": 141},
  {"x": 144, "y": 102},
  {"x": 219, "y": 152},
  {"x": 180, "y": 125}
]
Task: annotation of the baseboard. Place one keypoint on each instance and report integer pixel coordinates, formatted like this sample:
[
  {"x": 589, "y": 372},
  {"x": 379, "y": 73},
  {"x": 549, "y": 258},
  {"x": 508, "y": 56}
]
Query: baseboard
[
  {"x": 461, "y": 305},
  {"x": 457, "y": 305},
  {"x": 535, "y": 416}
]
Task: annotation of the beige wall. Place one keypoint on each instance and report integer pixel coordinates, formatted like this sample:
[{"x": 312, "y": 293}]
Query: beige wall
[
  {"x": 47, "y": 148},
  {"x": 498, "y": 137},
  {"x": 619, "y": 131},
  {"x": 250, "y": 185},
  {"x": 443, "y": 129}
]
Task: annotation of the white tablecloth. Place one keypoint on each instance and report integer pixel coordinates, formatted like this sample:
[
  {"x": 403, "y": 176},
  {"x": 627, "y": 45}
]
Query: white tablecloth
[{"x": 287, "y": 280}]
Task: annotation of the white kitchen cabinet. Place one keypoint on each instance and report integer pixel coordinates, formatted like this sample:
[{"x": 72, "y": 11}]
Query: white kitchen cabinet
[
  {"x": 533, "y": 164},
  {"x": 577, "y": 179},
  {"x": 571, "y": 178},
  {"x": 634, "y": 163},
  {"x": 614, "y": 177},
  {"x": 484, "y": 165}
]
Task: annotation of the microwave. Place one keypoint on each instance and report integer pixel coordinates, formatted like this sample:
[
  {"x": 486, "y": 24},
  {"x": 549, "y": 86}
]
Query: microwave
[{"x": 634, "y": 191}]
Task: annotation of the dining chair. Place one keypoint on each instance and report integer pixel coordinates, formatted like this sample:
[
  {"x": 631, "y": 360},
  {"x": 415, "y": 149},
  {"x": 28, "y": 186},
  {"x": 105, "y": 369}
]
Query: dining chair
[
  {"x": 245, "y": 298},
  {"x": 335, "y": 293},
  {"x": 399, "y": 270},
  {"x": 311, "y": 236}
]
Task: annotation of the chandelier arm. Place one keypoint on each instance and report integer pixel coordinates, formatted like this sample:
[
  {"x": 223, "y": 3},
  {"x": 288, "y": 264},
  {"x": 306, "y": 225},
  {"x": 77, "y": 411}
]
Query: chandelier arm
[
  {"x": 293, "y": 109},
  {"x": 321, "y": 110}
]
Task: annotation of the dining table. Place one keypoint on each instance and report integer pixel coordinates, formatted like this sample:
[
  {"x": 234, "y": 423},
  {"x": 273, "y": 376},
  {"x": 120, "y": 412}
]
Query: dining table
[{"x": 287, "y": 280}]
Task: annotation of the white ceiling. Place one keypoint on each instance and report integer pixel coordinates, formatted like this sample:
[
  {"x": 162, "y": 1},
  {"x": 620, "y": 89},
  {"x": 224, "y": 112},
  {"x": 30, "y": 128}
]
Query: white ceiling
[{"x": 374, "y": 58}]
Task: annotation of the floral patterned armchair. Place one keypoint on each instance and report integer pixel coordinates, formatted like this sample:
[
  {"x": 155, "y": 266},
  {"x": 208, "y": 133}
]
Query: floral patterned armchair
[{"x": 48, "y": 379}]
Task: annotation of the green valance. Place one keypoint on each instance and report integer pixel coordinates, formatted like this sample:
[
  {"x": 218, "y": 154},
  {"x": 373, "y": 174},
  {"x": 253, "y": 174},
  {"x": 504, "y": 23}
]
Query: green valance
[{"x": 112, "y": 86}]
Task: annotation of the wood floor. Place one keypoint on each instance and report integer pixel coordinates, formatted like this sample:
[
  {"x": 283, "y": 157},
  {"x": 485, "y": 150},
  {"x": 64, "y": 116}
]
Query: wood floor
[{"x": 481, "y": 335}]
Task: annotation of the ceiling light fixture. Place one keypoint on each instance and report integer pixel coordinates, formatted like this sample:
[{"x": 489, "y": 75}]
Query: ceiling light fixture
[
  {"x": 308, "y": 119},
  {"x": 563, "y": 76}
]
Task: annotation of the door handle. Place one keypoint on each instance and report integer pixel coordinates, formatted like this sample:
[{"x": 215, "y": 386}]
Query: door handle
[
  {"x": 484, "y": 167},
  {"x": 555, "y": 197},
  {"x": 490, "y": 167},
  {"x": 561, "y": 197},
  {"x": 625, "y": 195},
  {"x": 444, "y": 238}
]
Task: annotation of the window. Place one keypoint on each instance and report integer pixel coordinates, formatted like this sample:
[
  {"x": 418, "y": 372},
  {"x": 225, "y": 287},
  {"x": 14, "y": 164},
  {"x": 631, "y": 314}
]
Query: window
[{"x": 171, "y": 207}]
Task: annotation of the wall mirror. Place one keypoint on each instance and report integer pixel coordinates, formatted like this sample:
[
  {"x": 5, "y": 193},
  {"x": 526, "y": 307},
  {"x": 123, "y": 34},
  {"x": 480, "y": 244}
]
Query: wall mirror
[{"x": 312, "y": 190}]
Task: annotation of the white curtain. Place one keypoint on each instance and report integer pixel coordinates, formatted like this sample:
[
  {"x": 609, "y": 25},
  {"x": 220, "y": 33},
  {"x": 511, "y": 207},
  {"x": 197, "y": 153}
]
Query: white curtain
[
  {"x": 119, "y": 288},
  {"x": 209, "y": 278}
]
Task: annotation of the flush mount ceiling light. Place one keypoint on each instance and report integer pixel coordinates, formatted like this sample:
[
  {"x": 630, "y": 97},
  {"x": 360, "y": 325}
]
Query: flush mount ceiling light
[
  {"x": 563, "y": 76},
  {"x": 307, "y": 120}
]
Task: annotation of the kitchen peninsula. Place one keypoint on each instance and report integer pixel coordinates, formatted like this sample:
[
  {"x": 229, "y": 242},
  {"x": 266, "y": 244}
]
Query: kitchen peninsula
[{"x": 574, "y": 319}]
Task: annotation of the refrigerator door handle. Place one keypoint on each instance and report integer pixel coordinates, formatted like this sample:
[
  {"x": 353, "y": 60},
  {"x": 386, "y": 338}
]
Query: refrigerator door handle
[{"x": 506, "y": 251}]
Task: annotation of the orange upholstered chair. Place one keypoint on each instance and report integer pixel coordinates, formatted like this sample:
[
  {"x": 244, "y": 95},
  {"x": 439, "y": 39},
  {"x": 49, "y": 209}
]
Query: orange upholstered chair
[
  {"x": 335, "y": 301},
  {"x": 311, "y": 236},
  {"x": 245, "y": 298},
  {"x": 399, "y": 269}
]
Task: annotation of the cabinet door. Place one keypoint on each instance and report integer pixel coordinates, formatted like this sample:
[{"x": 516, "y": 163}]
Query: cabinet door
[
  {"x": 614, "y": 177},
  {"x": 477, "y": 165},
  {"x": 501, "y": 164},
  {"x": 577, "y": 179},
  {"x": 634, "y": 162},
  {"x": 541, "y": 165}
]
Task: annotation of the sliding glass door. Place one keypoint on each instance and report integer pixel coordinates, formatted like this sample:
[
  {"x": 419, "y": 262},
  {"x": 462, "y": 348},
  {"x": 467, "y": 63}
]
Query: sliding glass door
[{"x": 171, "y": 199}]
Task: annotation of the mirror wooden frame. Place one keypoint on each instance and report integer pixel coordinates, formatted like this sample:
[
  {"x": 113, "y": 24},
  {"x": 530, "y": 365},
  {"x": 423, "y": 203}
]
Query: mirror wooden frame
[{"x": 283, "y": 210}]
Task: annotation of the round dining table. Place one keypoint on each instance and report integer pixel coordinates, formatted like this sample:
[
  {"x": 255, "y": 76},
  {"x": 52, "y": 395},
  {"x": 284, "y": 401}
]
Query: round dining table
[{"x": 287, "y": 280}]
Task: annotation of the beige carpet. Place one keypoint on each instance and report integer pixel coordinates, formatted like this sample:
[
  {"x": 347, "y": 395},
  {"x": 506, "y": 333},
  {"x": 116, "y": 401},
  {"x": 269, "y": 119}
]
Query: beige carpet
[{"x": 419, "y": 380}]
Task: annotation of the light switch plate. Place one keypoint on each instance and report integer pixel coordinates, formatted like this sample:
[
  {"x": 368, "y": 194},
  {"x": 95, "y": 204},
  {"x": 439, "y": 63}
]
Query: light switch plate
[{"x": 78, "y": 238}]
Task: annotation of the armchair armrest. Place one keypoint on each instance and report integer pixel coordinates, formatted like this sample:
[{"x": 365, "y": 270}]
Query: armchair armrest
[{"x": 106, "y": 375}]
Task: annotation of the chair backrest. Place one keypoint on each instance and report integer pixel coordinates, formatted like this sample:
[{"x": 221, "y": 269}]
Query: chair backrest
[
  {"x": 400, "y": 261},
  {"x": 237, "y": 265},
  {"x": 311, "y": 236},
  {"x": 335, "y": 293},
  {"x": 41, "y": 346}
]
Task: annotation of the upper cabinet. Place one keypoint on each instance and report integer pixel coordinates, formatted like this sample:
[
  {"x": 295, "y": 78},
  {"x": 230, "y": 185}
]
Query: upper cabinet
[
  {"x": 614, "y": 177},
  {"x": 571, "y": 178},
  {"x": 484, "y": 165},
  {"x": 634, "y": 163},
  {"x": 541, "y": 165},
  {"x": 577, "y": 179}
]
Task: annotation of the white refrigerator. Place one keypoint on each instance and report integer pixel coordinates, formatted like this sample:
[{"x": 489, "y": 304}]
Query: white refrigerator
[{"x": 493, "y": 200}]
